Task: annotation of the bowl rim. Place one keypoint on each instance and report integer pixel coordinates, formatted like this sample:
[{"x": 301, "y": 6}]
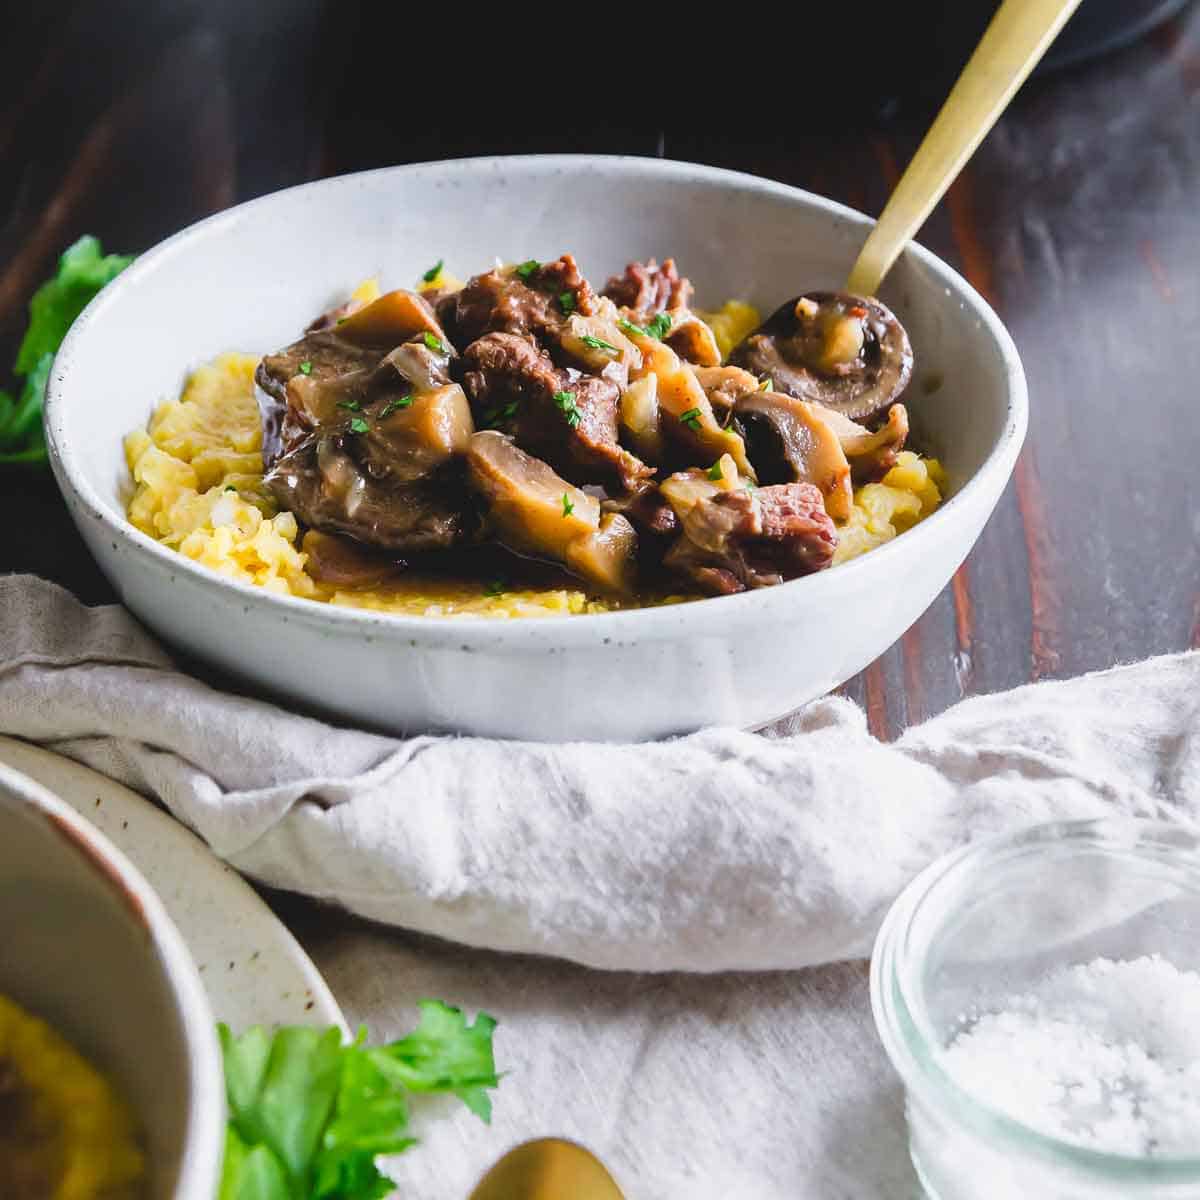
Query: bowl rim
[
  {"x": 902, "y": 1021},
  {"x": 495, "y": 633},
  {"x": 204, "y": 1138}
]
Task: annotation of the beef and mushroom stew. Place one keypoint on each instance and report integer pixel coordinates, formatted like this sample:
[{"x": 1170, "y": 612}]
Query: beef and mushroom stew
[{"x": 525, "y": 443}]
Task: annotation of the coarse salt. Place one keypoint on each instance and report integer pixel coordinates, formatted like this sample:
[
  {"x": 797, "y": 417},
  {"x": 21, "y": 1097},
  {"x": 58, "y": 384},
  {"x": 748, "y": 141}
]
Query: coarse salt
[{"x": 1104, "y": 1055}]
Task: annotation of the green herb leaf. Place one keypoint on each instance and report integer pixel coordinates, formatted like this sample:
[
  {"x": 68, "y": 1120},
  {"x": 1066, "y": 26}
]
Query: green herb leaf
[
  {"x": 566, "y": 301},
  {"x": 659, "y": 325},
  {"x": 82, "y": 272},
  {"x": 568, "y": 507},
  {"x": 495, "y": 588},
  {"x": 596, "y": 343},
  {"x": 309, "y": 1114},
  {"x": 630, "y": 327},
  {"x": 352, "y": 405},
  {"x": 502, "y": 412},
  {"x": 433, "y": 271},
  {"x": 691, "y": 419},
  {"x": 715, "y": 472},
  {"x": 392, "y": 405},
  {"x": 306, "y": 367},
  {"x": 358, "y": 425},
  {"x": 566, "y": 405},
  {"x": 435, "y": 343},
  {"x": 528, "y": 267}
]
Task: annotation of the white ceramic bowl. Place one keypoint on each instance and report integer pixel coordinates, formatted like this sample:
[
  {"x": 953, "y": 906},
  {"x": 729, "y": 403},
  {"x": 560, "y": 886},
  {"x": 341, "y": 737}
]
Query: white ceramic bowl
[
  {"x": 251, "y": 277},
  {"x": 86, "y": 944}
]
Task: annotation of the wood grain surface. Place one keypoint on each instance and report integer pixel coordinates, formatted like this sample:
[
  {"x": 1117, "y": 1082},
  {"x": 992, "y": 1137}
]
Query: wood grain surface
[{"x": 1078, "y": 219}]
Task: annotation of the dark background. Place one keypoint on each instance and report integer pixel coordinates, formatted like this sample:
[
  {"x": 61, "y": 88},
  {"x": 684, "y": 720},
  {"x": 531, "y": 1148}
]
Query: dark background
[{"x": 1078, "y": 219}]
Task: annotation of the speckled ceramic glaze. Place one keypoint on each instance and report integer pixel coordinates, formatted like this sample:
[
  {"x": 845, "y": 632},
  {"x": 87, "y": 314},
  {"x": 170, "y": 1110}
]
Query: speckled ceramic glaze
[
  {"x": 86, "y": 945},
  {"x": 248, "y": 279}
]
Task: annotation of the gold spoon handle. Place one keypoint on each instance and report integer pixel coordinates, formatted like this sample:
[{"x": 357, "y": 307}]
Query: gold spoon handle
[{"x": 1014, "y": 42}]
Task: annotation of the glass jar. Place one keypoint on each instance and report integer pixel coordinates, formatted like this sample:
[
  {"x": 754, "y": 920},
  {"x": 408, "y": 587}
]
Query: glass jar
[{"x": 993, "y": 921}]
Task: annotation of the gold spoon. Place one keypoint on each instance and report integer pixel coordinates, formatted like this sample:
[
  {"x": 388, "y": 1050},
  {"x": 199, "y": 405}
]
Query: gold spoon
[
  {"x": 548, "y": 1169},
  {"x": 1014, "y": 42}
]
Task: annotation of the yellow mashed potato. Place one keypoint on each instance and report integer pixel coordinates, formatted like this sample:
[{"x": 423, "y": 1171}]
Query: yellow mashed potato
[
  {"x": 64, "y": 1132},
  {"x": 197, "y": 473}
]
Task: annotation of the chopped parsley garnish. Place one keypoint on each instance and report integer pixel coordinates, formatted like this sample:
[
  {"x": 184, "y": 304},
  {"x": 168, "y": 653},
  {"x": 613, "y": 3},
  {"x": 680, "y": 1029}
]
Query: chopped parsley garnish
[
  {"x": 352, "y": 405},
  {"x": 566, "y": 301},
  {"x": 306, "y": 367},
  {"x": 495, "y": 588},
  {"x": 595, "y": 343},
  {"x": 435, "y": 343},
  {"x": 502, "y": 412},
  {"x": 528, "y": 267},
  {"x": 751, "y": 486},
  {"x": 715, "y": 472},
  {"x": 358, "y": 425},
  {"x": 393, "y": 404},
  {"x": 766, "y": 384},
  {"x": 691, "y": 419},
  {"x": 566, "y": 405},
  {"x": 433, "y": 271},
  {"x": 568, "y": 507},
  {"x": 630, "y": 327},
  {"x": 659, "y": 325}
]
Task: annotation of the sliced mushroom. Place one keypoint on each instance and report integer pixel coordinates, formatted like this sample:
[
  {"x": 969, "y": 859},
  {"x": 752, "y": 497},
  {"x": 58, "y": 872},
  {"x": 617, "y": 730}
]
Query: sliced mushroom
[
  {"x": 687, "y": 417},
  {"x": 640, "y": 421},
  {"x": 846, "y": 352},
  {"x": 723, "y": 385},
  {"x": 597, "y": 344},
  {"x": 535, "y": 511},
  {"x": 693, "y": 340},
  {"x": 871, "y": 454},
  {"x": 393, "y": 318},
  {"x": 526, "y": 497},
  {"x": 608, "y": 557},
  {"x": 405, "y": 441},
  {"x": 791, "y": 443}
]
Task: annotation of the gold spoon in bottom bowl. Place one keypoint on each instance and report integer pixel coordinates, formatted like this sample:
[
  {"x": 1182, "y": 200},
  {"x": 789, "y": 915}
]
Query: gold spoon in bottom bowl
[{"x": 548, "y": 1169}]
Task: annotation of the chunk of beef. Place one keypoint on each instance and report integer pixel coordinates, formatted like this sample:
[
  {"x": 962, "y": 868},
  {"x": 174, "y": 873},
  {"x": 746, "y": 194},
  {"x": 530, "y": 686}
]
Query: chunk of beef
[
  {"x": 734, "y": 538},
  {"x": 537, "y": 302},
  {"x": 646, "y": 288},
  {"x": 555, "y": 413},
  {"x": 327, "y": 483}
]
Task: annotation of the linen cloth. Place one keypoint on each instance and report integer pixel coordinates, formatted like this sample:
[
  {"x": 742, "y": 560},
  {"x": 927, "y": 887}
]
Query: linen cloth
[
  {"x": 712, "y": 852},
  {"x": 720, "y": 851}
]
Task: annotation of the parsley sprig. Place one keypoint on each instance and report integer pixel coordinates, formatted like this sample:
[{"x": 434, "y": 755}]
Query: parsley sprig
[
  {"x": 691, "y": 419},
  {"x": 435, "y": 343},
  {"x": 82, "y": 271},
  {"x": 657, "y": 327},
  {"x": 433, "y": 271},
  {"x": 566, "y": 301},
  {"x": 565, "y": 402},
  {"x": 568, "y": 506},
  {"x": 527, "y": 268},
  {"x": 395, "y": 403},
  {"x": 309, "y": 1114},
  {"x": 595, "y": 343}
]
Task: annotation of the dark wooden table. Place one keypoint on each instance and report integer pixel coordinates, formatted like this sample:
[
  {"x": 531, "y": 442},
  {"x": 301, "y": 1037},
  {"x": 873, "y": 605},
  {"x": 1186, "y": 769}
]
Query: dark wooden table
[{"x": 1078, "y": 219}]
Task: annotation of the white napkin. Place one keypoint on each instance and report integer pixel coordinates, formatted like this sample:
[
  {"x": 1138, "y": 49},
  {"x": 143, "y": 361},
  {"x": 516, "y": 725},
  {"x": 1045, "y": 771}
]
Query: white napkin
[{"x": 724, "y": 850}]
